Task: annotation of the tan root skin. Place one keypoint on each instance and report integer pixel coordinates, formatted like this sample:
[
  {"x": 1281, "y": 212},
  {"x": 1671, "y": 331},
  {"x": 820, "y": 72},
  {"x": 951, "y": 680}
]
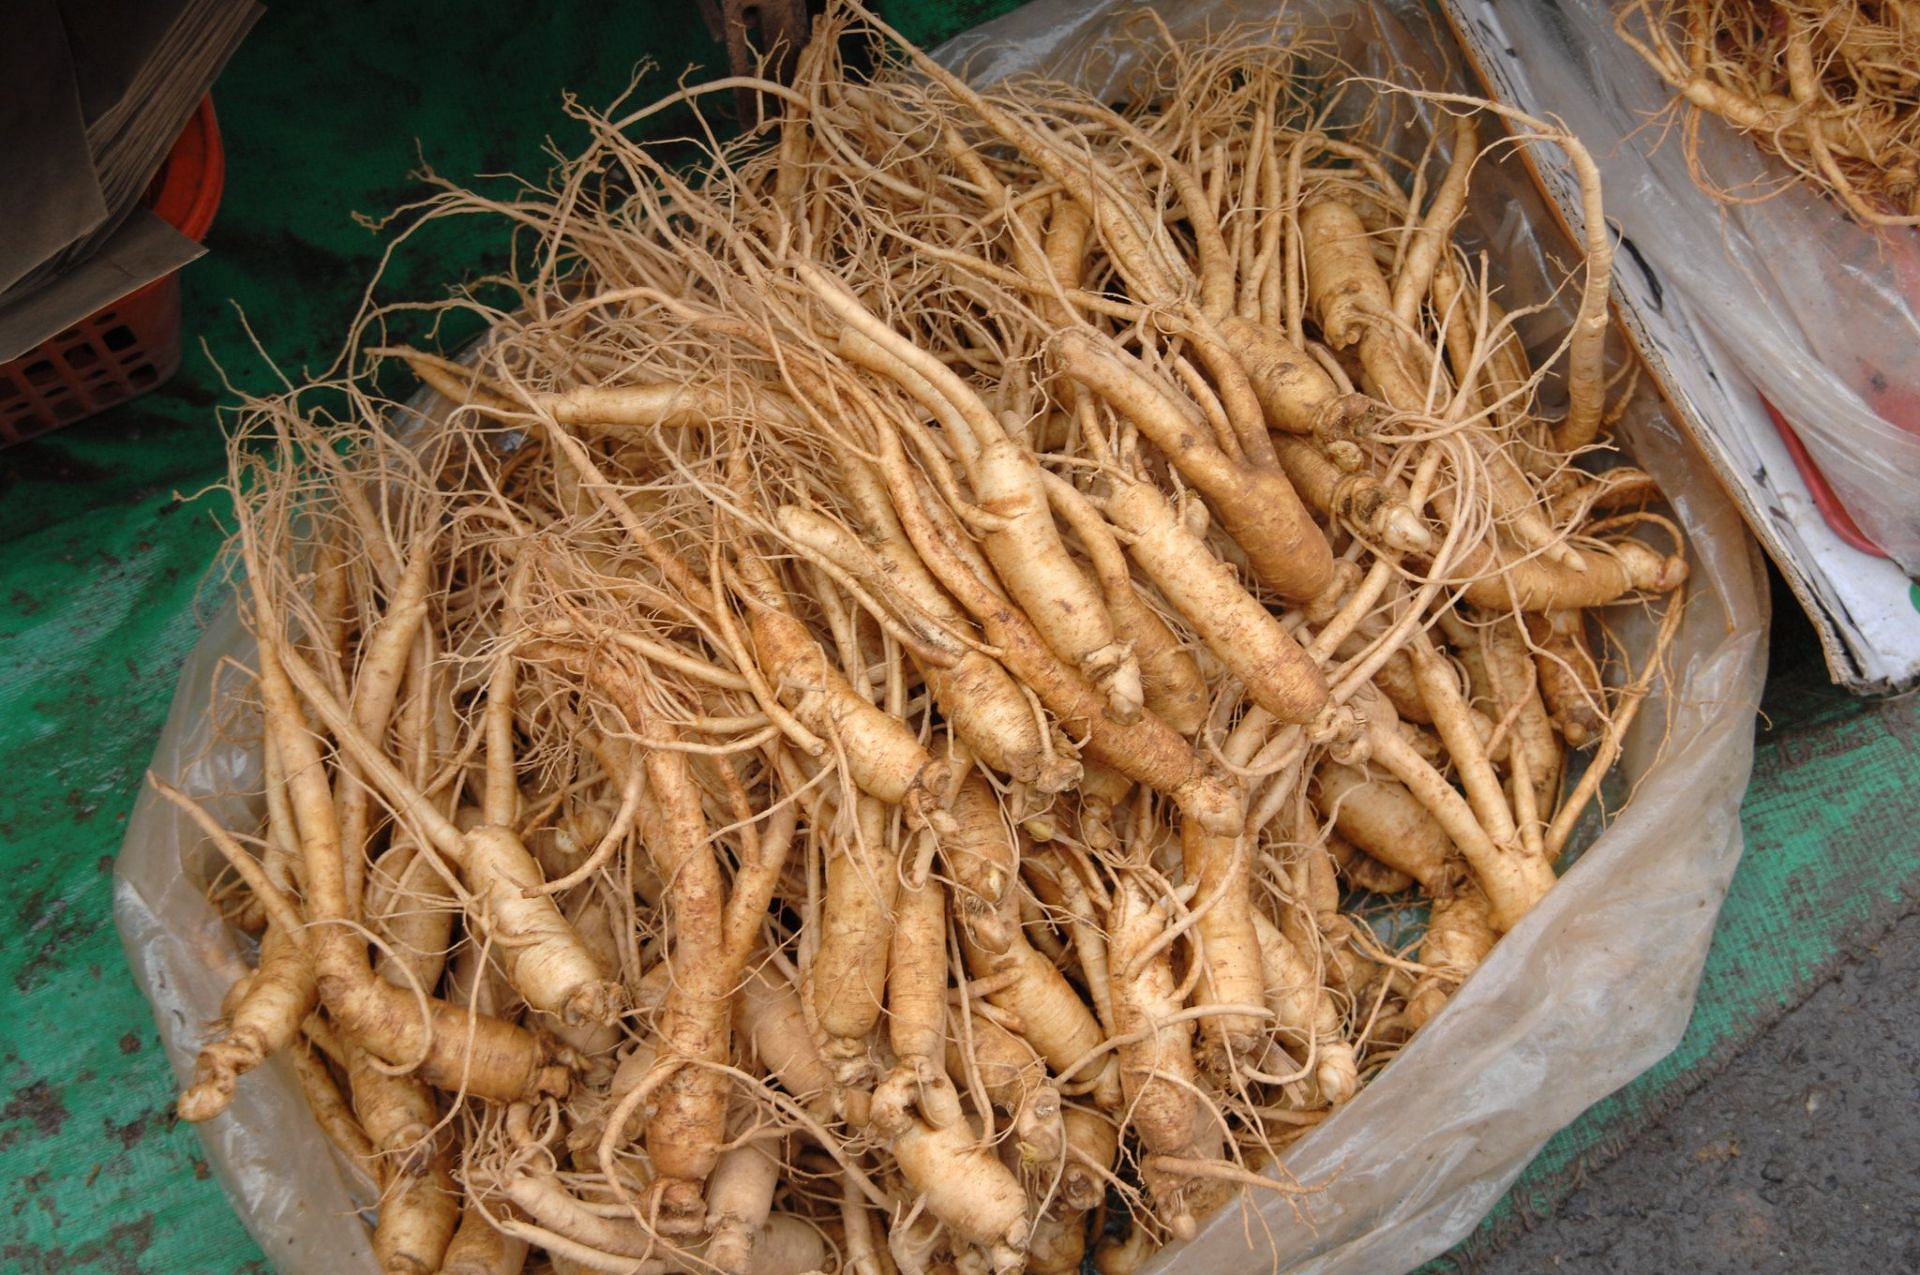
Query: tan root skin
[
  {"x": 278, "y": 998},
  {"x": 838, "y": 739}
]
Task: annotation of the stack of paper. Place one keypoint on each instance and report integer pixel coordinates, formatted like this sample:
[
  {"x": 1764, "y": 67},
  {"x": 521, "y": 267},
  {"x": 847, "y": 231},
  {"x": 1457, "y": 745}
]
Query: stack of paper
[{"x": 95, "y": 93}]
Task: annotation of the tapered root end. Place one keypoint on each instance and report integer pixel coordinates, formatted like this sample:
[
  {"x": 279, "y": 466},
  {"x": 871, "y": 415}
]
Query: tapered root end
[
  {"x": 216, "y": 1073},
  {"x": 1567, "y": 556},
  {"x": 1402, "y": 530},
  {"x": 1338, "y": 1075},
  {"x": 206, "y": 1099},
  {"x": 1423, "y": 1005},
  {"x": 1646, "y": 569},
  {"x": 1578, "y": 734}
]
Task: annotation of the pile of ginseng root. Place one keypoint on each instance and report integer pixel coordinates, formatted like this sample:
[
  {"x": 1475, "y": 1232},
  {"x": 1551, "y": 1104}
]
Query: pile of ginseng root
[
  {"x": 1830, "y": 86},
  {"x": 887, "y": 716}
]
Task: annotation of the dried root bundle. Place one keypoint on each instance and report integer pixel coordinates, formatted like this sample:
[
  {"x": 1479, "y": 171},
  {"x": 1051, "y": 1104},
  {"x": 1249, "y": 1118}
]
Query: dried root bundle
[
  {"x": 877, "y": 716},
  {"x": 1830, "y": 86}
]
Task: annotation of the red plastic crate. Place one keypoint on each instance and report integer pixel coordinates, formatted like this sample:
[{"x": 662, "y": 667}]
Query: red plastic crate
[{"x": 132, "y": 345}]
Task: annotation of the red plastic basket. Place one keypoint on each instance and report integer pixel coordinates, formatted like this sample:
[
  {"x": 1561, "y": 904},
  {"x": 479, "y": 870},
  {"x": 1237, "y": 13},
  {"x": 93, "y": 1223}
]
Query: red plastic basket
[{"x": 130, "y": 346}]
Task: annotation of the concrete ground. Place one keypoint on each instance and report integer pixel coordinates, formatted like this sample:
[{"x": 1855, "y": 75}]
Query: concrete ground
[{"x": 1801, "y": 1157}]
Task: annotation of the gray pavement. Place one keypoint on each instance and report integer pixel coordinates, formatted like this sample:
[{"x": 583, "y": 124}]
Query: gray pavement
[{"x": 1802, "y": 1157}]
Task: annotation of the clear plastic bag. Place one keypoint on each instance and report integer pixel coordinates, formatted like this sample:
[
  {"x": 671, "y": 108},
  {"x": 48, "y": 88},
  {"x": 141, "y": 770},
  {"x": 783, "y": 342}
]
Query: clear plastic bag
[
  {"x": 1593, "y": 987},
  {"x": 1820, "y": 312},
  {"x": 278, "y": 1169}
]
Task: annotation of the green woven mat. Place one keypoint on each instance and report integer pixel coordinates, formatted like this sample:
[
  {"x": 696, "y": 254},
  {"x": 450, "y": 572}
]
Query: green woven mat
[
  {"x": 102, "y": 569},
  {"x": 1831, "y": 859}
]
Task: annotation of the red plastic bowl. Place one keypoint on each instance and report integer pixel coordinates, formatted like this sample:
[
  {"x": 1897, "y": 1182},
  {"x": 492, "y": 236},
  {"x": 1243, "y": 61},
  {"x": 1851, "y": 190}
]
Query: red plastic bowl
[{"x": 132, "y": 345}]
